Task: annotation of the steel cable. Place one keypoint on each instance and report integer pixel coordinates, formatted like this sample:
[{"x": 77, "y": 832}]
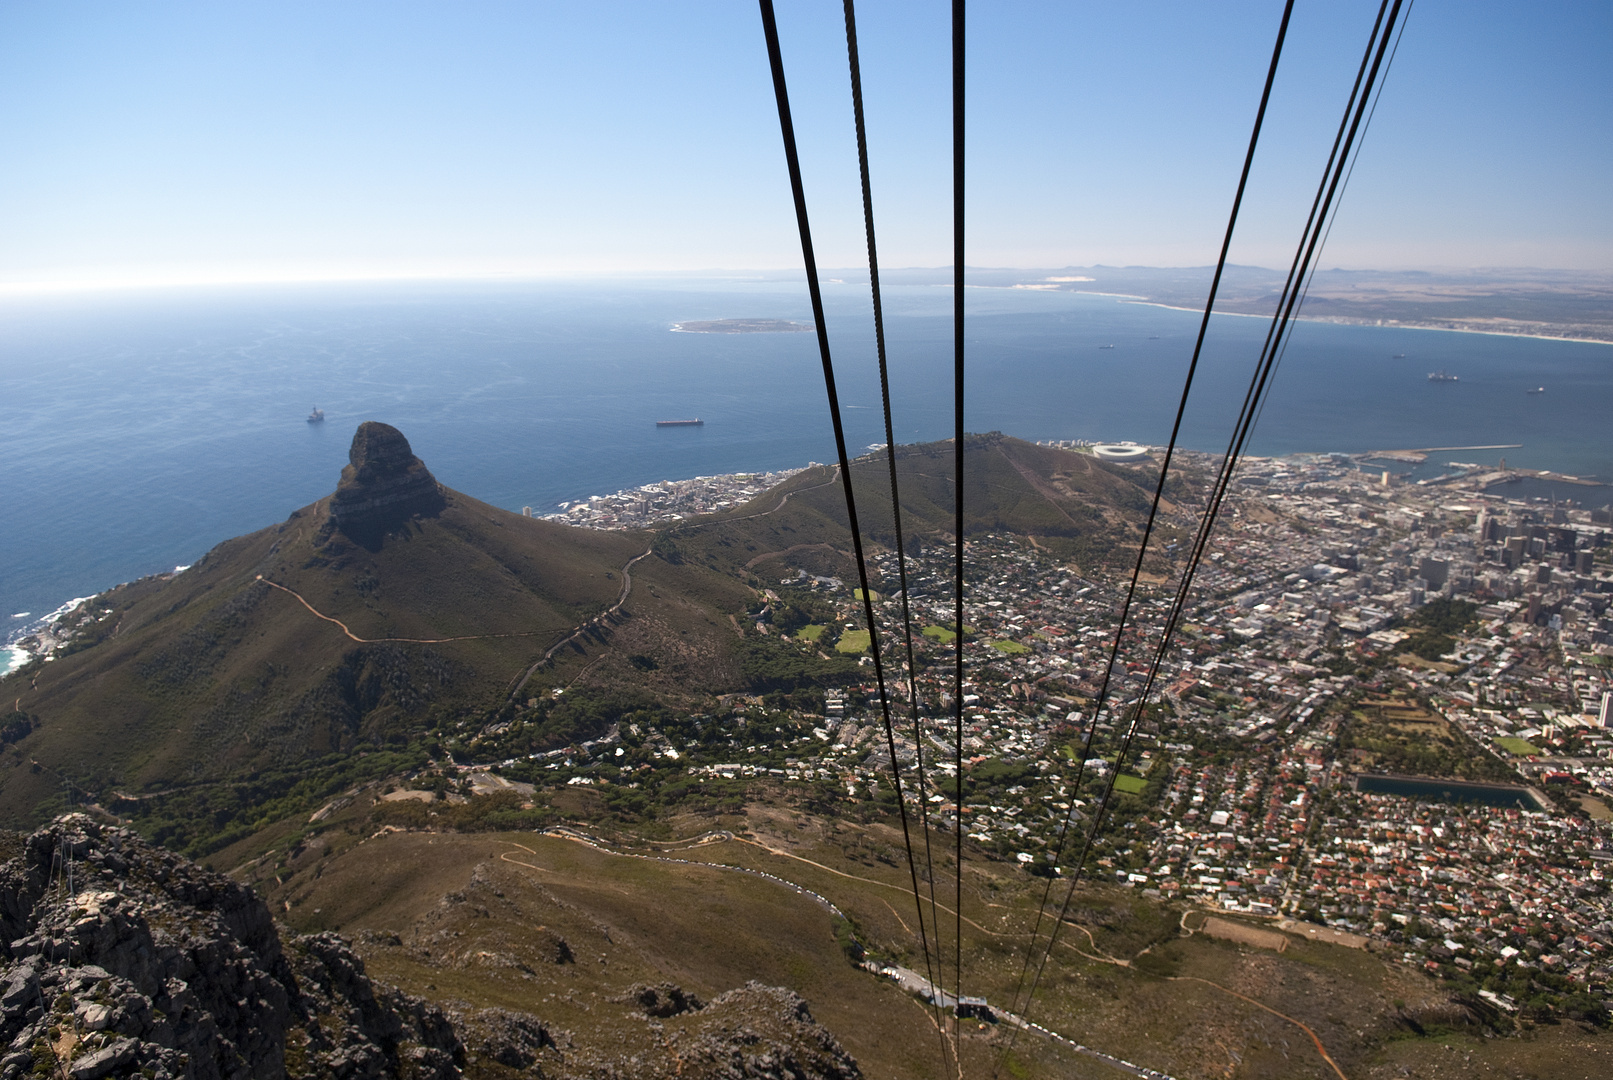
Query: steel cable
[
  {"x": 855, "y": 66},
  {"x": 814, "y": 288},
  {"x": 1159, "y": 488},
  {"x": 1309, "y": 242},
  {"x": 958, "y": 102}
]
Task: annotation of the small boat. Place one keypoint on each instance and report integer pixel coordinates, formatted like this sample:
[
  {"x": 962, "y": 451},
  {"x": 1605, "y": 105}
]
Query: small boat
[
  {"x": 1105, "y": 346},
  {"x": 1441, "y": 376},
  {"x": 317, "y": 416},
  {"x": 680, "y": 423},
  {"x": 1536, "y": 390}
]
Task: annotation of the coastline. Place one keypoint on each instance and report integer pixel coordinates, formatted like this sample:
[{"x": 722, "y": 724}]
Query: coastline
[
  {"x": 699, "y": 495},
  {"x": 1386, "y": 324}
]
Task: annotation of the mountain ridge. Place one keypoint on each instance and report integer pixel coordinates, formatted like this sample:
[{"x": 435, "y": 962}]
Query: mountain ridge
[{"x": 397, "y": 615}]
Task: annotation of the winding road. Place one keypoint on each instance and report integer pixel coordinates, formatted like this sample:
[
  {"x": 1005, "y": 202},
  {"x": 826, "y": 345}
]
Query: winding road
[
  {"x": 627, "y": 587},
  {"x": 627, "y": 581}
]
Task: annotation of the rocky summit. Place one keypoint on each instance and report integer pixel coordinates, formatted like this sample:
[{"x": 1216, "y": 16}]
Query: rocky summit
[
  {"x": 123, "y": 959},
  {"x": 383, "y": 485}
]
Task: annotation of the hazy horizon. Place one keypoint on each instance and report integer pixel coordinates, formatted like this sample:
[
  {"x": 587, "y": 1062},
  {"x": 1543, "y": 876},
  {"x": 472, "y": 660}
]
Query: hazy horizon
[
  {"x": 298, "y": 142},
  {"x": 13, "y": 290}
]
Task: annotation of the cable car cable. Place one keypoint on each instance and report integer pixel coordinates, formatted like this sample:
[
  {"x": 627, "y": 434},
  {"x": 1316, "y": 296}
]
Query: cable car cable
[
  {"x": 1159, "y": 488},
  {"x": 814, "y": 288},
  {"x": 855, "y": 66},
  {"x": 958, "y": 114},
  {"x": 1388, "y": 66},
  {"x": 1308, "y": 245}
]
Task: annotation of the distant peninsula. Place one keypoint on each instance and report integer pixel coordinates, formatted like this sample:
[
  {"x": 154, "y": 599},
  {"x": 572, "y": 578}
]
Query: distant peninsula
[
  {"x": 741, "y": 326},
  {"x": 1574, "y": 305}
]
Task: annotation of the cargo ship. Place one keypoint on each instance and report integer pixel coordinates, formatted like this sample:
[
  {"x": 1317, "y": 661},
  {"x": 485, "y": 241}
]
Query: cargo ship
[
  {"x": 680, "y": 423},
  {"x": 317, "y": 416}
]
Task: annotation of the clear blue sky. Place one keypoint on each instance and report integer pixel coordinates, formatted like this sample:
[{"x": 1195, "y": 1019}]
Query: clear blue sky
[{"x": 247, "y": 140}]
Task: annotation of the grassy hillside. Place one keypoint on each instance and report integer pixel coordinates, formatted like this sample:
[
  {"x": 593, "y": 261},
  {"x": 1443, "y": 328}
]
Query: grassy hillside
[
  {"x": 215, "y": 672},
  {"x": 479, "y": 918},
  {"x": 296, "y": 659},
  {"x": 1072, "y": 504}
]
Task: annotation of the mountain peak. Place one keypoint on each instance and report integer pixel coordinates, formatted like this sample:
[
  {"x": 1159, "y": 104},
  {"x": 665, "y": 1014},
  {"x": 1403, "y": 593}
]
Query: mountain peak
[{"x": 383, "y": 485}]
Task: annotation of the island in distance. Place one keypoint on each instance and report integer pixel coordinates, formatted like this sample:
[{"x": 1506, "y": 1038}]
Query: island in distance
[{"x": 741, "y": 326}]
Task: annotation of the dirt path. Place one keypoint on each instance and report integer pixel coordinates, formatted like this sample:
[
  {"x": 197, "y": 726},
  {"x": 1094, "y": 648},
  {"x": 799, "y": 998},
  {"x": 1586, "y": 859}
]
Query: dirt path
[
  {"x": 868, "y": 881},
  {"x": 406, "y": 640},
  {"x": 1320, "y": 1049},
  {"x": 791, "y": 549},
  {"x": 627, "y": 587},
  {"x": 627, "y": 584}
]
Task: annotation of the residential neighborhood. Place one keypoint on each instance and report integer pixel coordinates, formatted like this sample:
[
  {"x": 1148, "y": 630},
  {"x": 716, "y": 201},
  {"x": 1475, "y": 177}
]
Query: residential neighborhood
[{"x": 1386, "y": 713}]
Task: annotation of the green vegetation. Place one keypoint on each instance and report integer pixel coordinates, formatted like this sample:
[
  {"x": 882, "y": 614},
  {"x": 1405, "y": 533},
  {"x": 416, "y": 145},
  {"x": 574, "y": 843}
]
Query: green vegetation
[
  {"x": 767, "y": 664},
  {"x": 994, "y": 775},
  {"x": 940, "y": 633},
  {"x": 1012, "y": 648},
  {"x": 798, "y": 608},
  {"x": 503, "y": 811},
  {"x": 1435, "y": 626},
  {"x": 1130, "y": 785},
  {"x": 854, "y": 641},
  {"x": 201, "y": 820},
  {"x": 1519, "y": 747},
  {"x": 810, "y": 633},
  {"x": 1446, "y": 615},
  {"x": 1405, "y": 737}
]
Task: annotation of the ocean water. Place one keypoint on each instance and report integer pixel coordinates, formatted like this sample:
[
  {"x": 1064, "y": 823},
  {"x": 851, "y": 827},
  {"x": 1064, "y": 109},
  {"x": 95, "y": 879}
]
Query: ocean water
[{"x": 139, "y": 429}]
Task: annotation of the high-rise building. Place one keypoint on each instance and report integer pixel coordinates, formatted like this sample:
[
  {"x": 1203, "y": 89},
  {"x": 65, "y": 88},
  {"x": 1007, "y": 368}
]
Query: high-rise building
[{"x": 1434, "y": 572}]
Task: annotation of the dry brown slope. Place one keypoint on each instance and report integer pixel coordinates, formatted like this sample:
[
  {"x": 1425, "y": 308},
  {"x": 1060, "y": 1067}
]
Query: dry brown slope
[{"x": 212, "y": 672}]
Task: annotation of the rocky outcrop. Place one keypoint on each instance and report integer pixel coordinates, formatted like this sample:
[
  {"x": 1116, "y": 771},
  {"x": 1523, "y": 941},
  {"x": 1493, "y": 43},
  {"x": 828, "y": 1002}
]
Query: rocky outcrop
[
  {"x": 754, "y": 1032},
  {"x": 758, "y": 1032},
  {"x": 124, "y": 959},
  {"x": 512, "y": 1039},
  {"x": 664, "y": 1000},
  {"x": 383, "y": 486}
]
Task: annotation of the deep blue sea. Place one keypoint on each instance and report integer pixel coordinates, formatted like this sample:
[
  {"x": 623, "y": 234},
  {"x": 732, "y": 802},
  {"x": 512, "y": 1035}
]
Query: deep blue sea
[{"x": 138, "y": 429}]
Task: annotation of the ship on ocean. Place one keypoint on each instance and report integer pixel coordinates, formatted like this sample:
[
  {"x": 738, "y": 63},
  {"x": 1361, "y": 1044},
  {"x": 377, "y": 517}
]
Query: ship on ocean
[
  {"x": 1441, "y": 376},
  {"x": 680, "y": 423},
  {"x": 317, "y": 416}
]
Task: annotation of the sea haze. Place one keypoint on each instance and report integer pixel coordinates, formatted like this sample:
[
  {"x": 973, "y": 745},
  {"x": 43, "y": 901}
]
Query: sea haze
[{"x": 140, "y": 429}]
